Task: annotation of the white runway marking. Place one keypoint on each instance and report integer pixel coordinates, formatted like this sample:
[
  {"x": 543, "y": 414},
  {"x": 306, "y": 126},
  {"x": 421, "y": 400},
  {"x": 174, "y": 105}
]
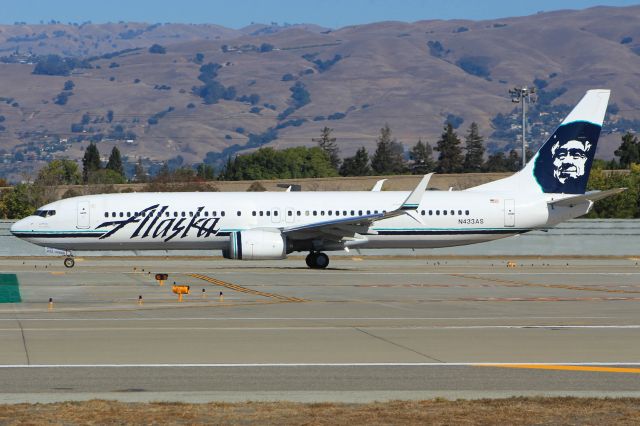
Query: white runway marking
[
  {"x": 312, "y": 364},
  {"x": 302, "y": 318},
  {"x": 345, "y": 327}
]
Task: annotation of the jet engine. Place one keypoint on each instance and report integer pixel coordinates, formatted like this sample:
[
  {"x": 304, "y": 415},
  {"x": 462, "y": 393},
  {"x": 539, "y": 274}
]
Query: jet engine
[{"x": 256, "y": 244}]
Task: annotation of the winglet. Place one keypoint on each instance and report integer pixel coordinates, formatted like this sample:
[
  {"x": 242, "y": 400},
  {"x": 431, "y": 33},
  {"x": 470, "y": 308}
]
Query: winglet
[
  {"x": 413, "y": 200},
  {"x": 378, "y": 186}
]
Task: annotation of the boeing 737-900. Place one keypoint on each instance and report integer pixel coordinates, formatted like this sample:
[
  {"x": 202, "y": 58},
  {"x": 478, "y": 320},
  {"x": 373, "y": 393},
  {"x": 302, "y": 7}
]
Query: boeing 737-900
[{"x": 550, "y": 189}]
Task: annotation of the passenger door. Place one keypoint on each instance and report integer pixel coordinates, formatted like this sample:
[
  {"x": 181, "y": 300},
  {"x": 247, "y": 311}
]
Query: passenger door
[
  {"x": 83, "y": 215},
  {"x": 509, "y": 213}
]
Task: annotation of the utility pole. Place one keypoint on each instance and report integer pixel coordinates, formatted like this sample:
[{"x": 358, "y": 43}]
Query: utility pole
[{"x": 523, "y": 95}]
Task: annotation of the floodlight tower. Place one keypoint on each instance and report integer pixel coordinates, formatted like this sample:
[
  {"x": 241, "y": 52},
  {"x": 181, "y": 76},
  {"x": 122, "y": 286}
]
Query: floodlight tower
[{"x": 523, "y": 95}]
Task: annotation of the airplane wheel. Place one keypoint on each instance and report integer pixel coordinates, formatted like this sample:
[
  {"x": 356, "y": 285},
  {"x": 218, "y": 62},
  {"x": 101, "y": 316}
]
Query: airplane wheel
[
  {"x": 69, "y": 262},
  {"x": 321, "y": 261},
  {"x": 310, "y": 260}
]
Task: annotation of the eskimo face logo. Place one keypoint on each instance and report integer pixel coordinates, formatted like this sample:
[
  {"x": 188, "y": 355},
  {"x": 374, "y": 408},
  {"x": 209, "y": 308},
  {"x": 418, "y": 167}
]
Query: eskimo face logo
[
  {"x": 569, "y": 159},
  {"x": 562, "y": 165}
]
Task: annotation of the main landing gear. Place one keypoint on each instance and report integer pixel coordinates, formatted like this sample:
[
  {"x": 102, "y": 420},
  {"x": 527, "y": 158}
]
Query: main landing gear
[{"x": 317, "y": 260}]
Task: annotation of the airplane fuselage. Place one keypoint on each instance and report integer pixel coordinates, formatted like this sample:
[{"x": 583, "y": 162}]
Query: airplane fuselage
[{"x": 204, "y": 221}]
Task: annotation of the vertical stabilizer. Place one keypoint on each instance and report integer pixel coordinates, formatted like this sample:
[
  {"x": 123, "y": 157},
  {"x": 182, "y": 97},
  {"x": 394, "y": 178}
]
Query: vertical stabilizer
[{"x": 563, "y": 163}]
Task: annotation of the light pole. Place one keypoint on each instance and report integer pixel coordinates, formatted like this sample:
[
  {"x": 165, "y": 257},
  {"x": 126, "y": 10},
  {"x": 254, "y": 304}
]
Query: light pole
[{"x": 523, "y": 95}]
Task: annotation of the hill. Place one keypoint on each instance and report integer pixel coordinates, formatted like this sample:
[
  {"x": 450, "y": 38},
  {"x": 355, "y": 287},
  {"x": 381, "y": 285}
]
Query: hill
[{"x": 278, "y": 85}]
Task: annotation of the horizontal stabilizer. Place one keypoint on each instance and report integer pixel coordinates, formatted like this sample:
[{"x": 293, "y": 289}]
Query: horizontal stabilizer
[{"x": 589, "y": 196}]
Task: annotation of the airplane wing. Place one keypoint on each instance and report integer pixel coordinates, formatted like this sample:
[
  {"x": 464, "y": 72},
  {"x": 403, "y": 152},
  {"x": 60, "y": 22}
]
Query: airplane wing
[
  {"x": 589, "y": 196},
  {"x": 378, "y": 186},
  {"x": 347, "y": 227}
]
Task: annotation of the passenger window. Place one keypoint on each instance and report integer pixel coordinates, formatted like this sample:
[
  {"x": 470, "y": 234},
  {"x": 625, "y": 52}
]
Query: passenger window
[
  {"x": 191, "y": 214},
  {"x": 183, "y": 214},
  {"x": 437, "y": 212},
  {"x": 261, "y": 213},
  {"x": 121, "y": 214},
  {"x": 289, "y": 213},
  {"x": 430, "y": 212},
  {"x": 299, "y": 213},
  {"x": 459, "y": 212},
  {"x": 166, "y": 214},
  {"x": 268, "y": 213},
  {"x": 444, "y": 212},
  {"x": 368, "y": 211},
  {"x": 359, "y": 212},
  {"x": 315, "y": 213},
  {"x": 113, "y": 214},
  {"x": 344, "y": 212},
  {"x": 275, "y": 213},
  {"x": 453, "y": 212},
  {"x": 375, "y": 211},
  {"x": 105, "y": 214},
  {"x": 466, "y": 212},
  {"x": 253, "y": 213},
  {"x": 128, "y": 214},
  {"x": 337, "y": 212},
  {"x": 321, "y": 212},
  {"x": 52, "y": 212},
  {"x": 213, "y": 213},
  {"x": 222, "y": 213},
  {"x": 175, "y": 214},
  {"x": 206, "y": 213},
  {"x": 239, "y": 213},
  {"x": 422, "y": 212},
  {"x": 329, "y": 212}
]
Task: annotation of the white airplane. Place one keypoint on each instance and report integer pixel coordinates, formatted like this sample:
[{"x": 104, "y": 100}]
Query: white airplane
[{"x": 269, "y": 225}]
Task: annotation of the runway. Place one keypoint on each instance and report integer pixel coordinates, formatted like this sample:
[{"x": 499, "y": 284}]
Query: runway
[{"x": 366, "y": 329}]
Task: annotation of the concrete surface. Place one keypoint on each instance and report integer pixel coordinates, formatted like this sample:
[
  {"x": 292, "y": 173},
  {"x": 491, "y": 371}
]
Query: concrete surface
[{"x": 366, "y": 329}]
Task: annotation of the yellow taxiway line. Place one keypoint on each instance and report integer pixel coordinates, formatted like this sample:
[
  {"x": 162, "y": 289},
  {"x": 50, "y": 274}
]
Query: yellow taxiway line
[{"x": 589, "y": 368}]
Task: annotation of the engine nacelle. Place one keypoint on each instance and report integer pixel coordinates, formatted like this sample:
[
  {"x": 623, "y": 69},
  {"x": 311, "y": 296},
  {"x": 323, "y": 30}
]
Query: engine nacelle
[{"x": 256, "y": 244}]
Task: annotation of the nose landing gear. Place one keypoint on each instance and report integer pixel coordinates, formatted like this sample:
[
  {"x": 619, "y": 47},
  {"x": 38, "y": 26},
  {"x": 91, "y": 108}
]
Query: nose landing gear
[
  {"x": 317, "y": 260},
  {"x": 68, "y": 261}
]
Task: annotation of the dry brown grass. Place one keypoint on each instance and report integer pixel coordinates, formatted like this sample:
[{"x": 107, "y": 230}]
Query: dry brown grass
[{"x": 538, "y": 411}]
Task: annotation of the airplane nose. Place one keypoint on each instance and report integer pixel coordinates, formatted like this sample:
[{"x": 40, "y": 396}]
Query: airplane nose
[{"x": 17, "y": 227}]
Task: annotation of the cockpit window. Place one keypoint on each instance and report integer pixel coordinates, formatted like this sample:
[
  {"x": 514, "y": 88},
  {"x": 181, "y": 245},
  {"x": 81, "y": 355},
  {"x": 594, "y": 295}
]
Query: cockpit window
[{"x": 45, "y": 213}]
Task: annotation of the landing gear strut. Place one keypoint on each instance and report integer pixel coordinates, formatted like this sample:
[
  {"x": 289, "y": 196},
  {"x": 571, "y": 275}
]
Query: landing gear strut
[
  {"x": 317, "y": 260},
  {"x": 69, "y": 262}
]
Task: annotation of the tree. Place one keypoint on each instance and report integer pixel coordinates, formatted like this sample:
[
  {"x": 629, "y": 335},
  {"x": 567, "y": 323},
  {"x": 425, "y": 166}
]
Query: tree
[
  {"x": 513, "y": 161},
  {"x": 156, "y": 48},
  {"x": 256, "y": 187},
  {"x": 474, "y": 156},
  {"x": 450, "y": 159},
  {"x": 496, "y": 163},
  {"x": 358, "y": 165},
  {"x": 388, "y": 158},
  {"x": 109, "y": 116},
  {"x": 268, "y": 163},
  {"x": 21, "y": 201},
  {"x": 422, "y": 156},
  {"x": 68, "y": 85},
  {"x": 629, "y": 151},
  {"x": 139, "y": 174},
  {"x": 328, "y": 145},
  {"x": 205, "y": 171},
  {"x": 90, "y": 162},
  {"x": 115, "y": 161},
  {"x": 59, "y": 172}
]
